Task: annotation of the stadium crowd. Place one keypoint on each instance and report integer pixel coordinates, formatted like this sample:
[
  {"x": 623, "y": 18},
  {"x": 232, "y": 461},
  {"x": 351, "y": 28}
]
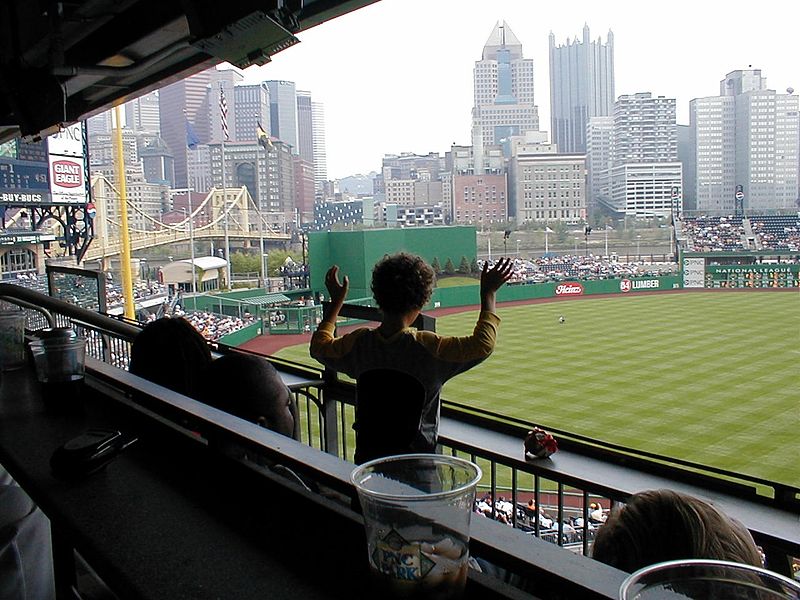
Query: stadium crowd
[
  {"x": 141, "y": 291},
  {"x": 777, "y": 232},
  {"x": 714, "y": 233},
  {"x": 730, "y": 233},
  {"x": 524, "y": 516},
  {"x": 212, "y": 326},
  {"x": 76, "y": 289},
  {"x": 560, "y": 268}
]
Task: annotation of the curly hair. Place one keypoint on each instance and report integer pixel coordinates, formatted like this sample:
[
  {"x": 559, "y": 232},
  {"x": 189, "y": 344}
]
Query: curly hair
[
  {"x": 659, "y": 525},
  {"x": 402, "y": 282}
]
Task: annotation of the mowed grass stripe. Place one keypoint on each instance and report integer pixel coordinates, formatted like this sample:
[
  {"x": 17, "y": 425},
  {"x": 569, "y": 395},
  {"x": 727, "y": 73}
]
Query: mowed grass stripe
[{"x": 707, "y": 377}]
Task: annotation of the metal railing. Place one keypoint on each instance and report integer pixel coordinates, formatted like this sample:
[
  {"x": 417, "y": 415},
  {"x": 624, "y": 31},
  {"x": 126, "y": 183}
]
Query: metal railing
[{"x": 327, "y": 414}]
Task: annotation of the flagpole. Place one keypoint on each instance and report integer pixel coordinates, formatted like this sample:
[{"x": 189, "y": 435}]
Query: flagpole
[
  {"x": 224, "y": 124},
  {"x": 191, "y": 144},
  {"x": 263, "y": 140},
  {"x": 191, "y": 242}
]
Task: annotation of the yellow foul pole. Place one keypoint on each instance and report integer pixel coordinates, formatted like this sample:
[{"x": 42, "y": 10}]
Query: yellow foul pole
[{"x": 125, "y": 240}]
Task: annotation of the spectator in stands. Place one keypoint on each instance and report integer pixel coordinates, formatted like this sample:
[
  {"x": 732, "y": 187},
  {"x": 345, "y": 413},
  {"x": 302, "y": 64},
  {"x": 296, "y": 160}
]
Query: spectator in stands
[
  {"x": 596, "y": 513},
  {"x": 660, "y": 525},
  {"x": 249, "y": 387},
  {"x": 172, "y": 353},
  {"x": 402, "y": 285}
]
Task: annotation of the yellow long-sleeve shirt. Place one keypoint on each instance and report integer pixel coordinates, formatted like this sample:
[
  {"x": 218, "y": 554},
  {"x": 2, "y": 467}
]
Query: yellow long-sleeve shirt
[{"x": 430, "y": 358}]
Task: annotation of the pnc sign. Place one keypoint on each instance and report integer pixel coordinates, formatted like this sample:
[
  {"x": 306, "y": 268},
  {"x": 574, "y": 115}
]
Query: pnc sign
[{"x": 570, "y": 288}]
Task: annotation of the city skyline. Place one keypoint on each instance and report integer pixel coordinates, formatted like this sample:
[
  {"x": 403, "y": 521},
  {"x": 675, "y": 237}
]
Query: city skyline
[{"x": 405, "y": 58}]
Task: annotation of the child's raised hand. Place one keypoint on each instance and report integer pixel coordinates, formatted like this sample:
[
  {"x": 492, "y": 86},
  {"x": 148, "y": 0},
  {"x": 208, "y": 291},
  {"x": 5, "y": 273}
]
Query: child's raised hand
[{"x": 337, "y": 291}]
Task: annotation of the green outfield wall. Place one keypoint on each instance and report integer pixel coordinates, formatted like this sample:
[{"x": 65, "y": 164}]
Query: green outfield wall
[
  {"x": 245, "y": 334},
  {"x": 356, "y": 252},
  {"x": 468, "y": 294}
]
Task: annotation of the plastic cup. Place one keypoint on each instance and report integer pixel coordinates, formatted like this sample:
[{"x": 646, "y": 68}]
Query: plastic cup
[
  {"x": 417, "y": 510},
  {"x": 60, "y": 367},
  {"x": 12, "y": 339},
  {"x": 698, "y": 579}
]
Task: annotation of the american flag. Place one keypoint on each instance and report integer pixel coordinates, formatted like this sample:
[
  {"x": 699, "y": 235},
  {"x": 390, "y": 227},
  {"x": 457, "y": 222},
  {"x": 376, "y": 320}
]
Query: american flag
[{"x": 223, "y": 113}]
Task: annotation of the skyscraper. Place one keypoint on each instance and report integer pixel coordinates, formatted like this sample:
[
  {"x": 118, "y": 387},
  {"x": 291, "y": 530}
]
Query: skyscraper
[
  {"x": 305, "y": 127},
  {"x": 251, "y": 109},
  {"x": 645, "y": 171},
  {"x": 142, "y": 114},
  {"x": 318, "y": 141},
  {"x": 748, "y": 136},
  {"x": 283, "y": 112},
  {"x": 581, "y": 87},
  {"x": 644, "y": 129},
  {"x": 186, "y": 100},
  {"x": 503, "y": 89},
  {"x": 599, "y": 142}
]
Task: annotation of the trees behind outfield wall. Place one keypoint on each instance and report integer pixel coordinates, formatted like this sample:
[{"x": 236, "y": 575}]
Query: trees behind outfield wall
[{"x": 242, "y": 262}]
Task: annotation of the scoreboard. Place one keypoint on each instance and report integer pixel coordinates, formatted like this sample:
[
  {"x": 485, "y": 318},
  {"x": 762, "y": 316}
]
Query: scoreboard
[
  {"x": 51, "y": 171},
  {"x": 23, "y": 173},
  {"x": 773, "y": 275}
]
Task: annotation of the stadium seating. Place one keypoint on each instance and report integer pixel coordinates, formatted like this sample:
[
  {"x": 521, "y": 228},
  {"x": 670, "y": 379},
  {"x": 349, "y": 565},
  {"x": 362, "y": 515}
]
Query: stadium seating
[
  {"x": 714, "y": 234},
  {"x": 777, "y": 232}
]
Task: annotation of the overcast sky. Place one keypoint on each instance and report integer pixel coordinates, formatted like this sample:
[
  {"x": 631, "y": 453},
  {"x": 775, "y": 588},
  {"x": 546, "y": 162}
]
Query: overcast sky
[{"x": 396, "y": 76}]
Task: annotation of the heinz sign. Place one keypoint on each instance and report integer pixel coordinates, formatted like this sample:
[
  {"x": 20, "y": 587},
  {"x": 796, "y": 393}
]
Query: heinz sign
[{"x": 570, "y": 288}]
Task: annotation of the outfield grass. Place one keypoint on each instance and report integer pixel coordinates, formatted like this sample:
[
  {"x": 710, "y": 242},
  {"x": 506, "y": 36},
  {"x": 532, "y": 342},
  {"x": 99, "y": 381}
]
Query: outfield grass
[{"x": 707, "y": 377}]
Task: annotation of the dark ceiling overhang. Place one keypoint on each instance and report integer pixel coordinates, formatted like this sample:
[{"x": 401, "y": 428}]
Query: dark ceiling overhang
[{"x": 64, "y": 61}]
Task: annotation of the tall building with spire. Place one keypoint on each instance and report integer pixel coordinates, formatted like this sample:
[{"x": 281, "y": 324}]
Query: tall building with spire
[
  {"x": 581, "y": 87},
  {"x": 503, "y": 79}
]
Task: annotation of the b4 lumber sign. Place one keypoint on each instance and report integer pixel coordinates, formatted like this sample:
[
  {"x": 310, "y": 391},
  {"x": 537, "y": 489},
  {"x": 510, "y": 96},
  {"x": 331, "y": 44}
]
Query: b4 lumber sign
[{"x": 628, "y": 285}]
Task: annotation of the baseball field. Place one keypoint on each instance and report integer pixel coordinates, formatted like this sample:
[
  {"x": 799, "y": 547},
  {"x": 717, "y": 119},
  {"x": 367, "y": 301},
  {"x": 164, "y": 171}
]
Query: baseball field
[{"x": 710, "y": 377}]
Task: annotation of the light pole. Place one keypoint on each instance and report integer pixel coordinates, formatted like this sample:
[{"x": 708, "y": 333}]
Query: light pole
[
  {"x": 518, "y": 241},
  {"x": 576, "y": 246},
  {"x": 605, "y": 231},
  {"x": 638, "y": 240},
  {"x": 188, "y": 192}
]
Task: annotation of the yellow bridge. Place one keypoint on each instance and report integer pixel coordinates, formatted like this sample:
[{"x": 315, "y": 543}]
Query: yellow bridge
[
  {"x": 207, "y": 221},
  {"x": 111, "y": 246}
]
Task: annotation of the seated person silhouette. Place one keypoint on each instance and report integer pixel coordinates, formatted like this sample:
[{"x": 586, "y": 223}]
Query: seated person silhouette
[
  {"x": 660, "y": 525},
  {"x": 172, "y": 353},
  {"x": 402, "y": 284},
  {"x": 26, "y": 557},
  {"x": 249, "y": 387}
]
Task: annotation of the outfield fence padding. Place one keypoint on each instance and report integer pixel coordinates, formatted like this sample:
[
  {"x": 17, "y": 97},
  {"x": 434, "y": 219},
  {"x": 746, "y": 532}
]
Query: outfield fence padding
[{"x": 468, "y": 294}]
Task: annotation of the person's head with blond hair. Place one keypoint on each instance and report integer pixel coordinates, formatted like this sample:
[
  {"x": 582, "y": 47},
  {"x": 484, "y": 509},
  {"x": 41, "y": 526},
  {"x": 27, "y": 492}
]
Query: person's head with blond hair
[{"x": 660, "y": 525}]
